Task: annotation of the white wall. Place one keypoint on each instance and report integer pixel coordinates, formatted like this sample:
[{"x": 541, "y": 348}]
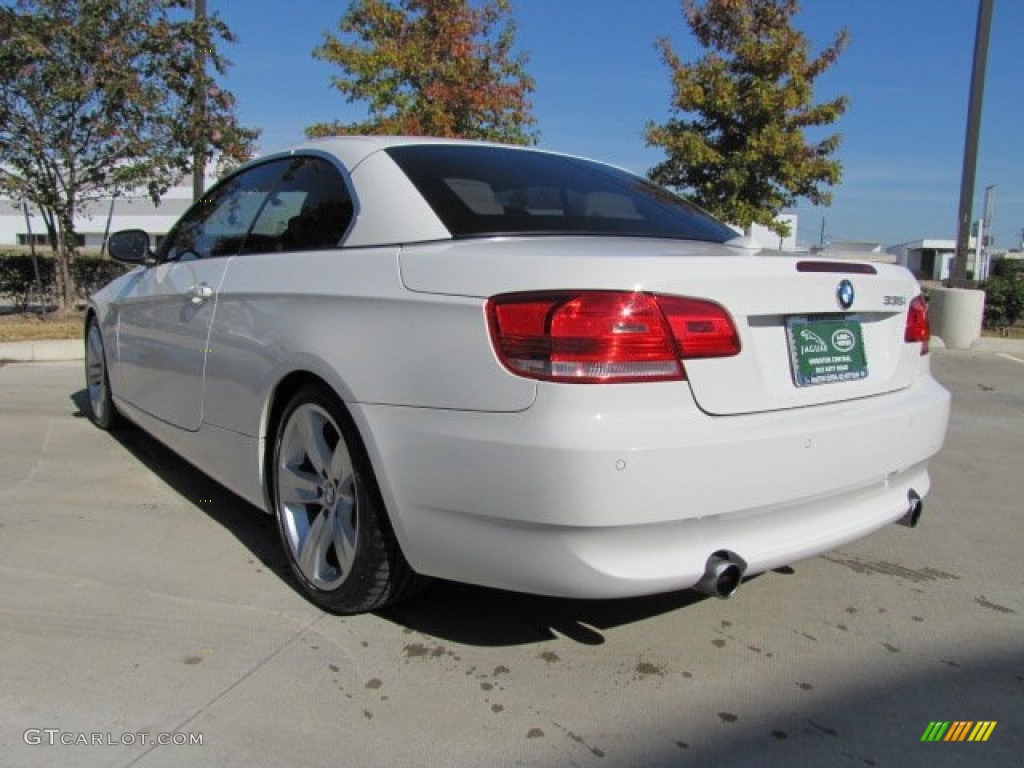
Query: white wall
[{"x": 130, "y": 212}]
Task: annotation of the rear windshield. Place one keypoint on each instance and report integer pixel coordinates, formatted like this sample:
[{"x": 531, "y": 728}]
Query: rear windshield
[{"x": 485, "y": 191}]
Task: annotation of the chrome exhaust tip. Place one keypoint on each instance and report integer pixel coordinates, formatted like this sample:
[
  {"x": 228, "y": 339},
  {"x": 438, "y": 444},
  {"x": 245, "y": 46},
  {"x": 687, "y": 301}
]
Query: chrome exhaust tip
[
  {"x": 722, "y": 576},
  {"x": 914, "y": 508}
]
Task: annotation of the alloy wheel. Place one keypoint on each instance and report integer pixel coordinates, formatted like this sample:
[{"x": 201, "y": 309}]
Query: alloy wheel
[{"x": 316, "y": 496}]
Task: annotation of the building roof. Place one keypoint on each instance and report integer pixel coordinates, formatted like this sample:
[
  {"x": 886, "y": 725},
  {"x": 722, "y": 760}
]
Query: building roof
[{"x": 928, "y": 243}]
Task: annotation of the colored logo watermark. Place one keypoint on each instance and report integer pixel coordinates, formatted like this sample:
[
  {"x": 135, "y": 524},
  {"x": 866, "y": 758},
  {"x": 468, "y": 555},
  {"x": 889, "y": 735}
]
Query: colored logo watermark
[{"x": 958, "y": 730}]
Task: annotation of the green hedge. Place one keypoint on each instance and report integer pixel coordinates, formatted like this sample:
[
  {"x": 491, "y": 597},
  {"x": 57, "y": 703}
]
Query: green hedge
[
  {"x": 1007, "y": 267},
  {"x": 18, "y": 277},
  {"x": 1004, "y": 301}
]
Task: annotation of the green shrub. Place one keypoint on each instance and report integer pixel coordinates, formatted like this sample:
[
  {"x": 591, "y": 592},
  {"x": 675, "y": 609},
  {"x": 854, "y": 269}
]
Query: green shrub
[
  {"x": 1004, "y": 301},
  {"x": 18, "y": 276},
  {"x": 1007, "y": 267}
]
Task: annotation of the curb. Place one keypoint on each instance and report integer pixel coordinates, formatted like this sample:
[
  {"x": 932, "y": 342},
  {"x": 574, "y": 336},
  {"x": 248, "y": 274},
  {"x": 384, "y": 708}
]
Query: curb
[
  {"x": 42, "y": 351},
  {"x": 1007, "y": 346},
  {"x": 983, "y": 344}
]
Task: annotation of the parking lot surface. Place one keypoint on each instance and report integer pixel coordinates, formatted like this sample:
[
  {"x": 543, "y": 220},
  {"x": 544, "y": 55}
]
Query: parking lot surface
[{"x": 142, "y": 603}]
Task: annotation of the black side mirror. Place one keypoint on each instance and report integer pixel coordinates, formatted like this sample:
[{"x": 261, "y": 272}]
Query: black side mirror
[{"x": 130, "y": 246}]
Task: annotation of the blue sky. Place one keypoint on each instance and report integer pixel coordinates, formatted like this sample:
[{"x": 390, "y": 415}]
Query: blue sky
[{"x": 600, "y": 79}]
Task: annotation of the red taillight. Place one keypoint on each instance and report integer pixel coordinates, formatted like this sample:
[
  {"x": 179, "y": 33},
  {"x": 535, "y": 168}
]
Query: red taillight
[
  {"x": 701, "y": 328},
  {"x": 605, "y": 336},
  {"x": 917, "y": 324}
]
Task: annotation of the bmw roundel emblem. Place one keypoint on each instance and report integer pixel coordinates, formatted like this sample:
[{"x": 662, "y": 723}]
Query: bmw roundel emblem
[{"x": 844, "y": 293}]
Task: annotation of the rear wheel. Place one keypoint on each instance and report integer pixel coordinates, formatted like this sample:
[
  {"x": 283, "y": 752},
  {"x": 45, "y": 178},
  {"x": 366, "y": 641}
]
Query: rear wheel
[
  {"x": 102, "y": 412},
  {"x": 336, "y": 535}
]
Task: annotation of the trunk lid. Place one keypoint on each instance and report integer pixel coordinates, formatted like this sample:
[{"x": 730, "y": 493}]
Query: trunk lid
[{"x": 801, "y": 345}]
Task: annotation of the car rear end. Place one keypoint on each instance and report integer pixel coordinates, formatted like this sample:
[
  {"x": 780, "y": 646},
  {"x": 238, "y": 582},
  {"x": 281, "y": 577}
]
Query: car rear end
[
  {"x": 632, "y": 469},
  {"x": 700, "y": 411}
]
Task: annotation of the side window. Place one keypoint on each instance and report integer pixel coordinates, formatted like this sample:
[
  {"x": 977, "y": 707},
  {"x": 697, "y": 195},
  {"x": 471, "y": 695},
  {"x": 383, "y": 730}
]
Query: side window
[
  {"x": 310, "y": 209},
  {"x": 219, "y": 223}
]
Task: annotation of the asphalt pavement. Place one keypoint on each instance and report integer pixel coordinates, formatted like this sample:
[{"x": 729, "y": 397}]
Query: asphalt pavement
[{"x": 142, "y": 603}]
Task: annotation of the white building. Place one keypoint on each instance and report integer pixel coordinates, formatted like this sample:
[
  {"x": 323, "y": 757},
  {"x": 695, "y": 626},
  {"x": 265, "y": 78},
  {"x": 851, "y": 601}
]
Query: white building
[
  {"x": 134, "y": 210},
  {"x": 931, "y": 258},
  {"x": 928, "y": 259}
]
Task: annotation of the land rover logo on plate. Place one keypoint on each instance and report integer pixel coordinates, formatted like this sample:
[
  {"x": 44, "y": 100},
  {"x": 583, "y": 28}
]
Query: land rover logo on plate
[
  {"x": 844, "y": 340},
  {"x": 844, "y": 293}
]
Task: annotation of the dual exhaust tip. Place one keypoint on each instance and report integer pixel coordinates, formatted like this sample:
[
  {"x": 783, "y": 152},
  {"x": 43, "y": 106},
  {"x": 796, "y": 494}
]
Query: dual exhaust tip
[{"x": 724, "y": 570}]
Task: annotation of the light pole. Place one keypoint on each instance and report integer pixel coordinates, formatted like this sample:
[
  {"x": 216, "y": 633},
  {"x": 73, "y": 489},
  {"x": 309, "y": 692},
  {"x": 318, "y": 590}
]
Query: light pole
[
  {"x": 35, "y": 260},
  {"x": 199, "y": 155},
  {"x": 983, "y": 259}
]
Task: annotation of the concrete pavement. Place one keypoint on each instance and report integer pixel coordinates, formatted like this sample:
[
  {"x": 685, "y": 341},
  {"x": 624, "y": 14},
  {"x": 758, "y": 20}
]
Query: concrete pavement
[{"x": 139, "y": 598}]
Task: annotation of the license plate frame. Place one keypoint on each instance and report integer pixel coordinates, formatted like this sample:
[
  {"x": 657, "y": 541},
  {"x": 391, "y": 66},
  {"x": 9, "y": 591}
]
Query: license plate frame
[{"x": 826, "y": 350}]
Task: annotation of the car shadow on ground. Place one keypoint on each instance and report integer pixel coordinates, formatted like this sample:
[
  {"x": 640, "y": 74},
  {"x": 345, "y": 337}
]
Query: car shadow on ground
[
  {"x": 253, "y": 529},
  {"x": 479, "y": 616},
  {"x": 449, "y": 611}
]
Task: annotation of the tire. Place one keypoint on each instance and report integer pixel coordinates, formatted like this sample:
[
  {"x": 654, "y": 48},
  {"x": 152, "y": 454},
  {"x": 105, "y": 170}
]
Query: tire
[
  {"x": 333, "y": 525},
  {"x": 102, "y": 411}
]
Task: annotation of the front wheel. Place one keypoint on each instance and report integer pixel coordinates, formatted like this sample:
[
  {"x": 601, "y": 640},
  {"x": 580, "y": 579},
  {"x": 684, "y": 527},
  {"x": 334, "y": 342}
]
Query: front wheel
[
  {"x": 335, "y": 531},
  {"x": 102, "y": 412}
]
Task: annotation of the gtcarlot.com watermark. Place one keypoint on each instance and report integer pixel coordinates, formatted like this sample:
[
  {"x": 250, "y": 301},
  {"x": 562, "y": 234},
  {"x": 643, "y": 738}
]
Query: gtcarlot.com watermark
[{"x": 56, "y": 737}]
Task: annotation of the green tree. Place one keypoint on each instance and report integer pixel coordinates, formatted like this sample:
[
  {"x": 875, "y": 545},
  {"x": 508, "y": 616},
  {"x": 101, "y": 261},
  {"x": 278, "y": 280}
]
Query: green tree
[
  {"x": 98, "y": 97},
  {"x": 736, "y": 138},
  {"x": 431, "y": 68}
]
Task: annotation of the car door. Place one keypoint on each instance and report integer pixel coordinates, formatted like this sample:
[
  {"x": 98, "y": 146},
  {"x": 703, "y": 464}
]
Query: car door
[
  {"x": 164, "y": 326},
  {"x": 266, "y": 290}
]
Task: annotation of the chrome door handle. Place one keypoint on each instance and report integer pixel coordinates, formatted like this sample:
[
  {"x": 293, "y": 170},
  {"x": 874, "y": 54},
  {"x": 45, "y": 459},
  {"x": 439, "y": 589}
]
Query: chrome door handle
[{"x": 201, "y": 293}]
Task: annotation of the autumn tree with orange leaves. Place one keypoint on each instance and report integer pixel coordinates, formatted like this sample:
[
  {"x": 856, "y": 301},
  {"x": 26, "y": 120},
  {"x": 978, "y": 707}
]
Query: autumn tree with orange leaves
[
  {"x": 431, "y": 68},
  {"x": 736, "y": 142}
]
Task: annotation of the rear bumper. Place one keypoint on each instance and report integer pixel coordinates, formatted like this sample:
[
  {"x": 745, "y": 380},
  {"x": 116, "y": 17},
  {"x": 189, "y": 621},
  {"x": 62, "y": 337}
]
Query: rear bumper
[{"x": 583, "y": 495}]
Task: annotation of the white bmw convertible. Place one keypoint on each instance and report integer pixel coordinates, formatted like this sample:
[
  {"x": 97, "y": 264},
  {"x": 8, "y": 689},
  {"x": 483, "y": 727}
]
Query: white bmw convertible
[{"x": 515, "y": 368}]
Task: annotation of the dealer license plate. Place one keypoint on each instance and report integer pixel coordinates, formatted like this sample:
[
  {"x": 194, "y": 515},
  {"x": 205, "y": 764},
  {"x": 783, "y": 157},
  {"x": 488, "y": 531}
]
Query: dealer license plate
[{"x": 824, "y": 351}]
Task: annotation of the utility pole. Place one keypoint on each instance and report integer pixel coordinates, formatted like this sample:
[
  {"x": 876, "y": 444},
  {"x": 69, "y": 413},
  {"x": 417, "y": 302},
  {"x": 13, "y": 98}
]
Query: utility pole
[
  {"x": 35, "y": 260},
  {"x": 959, "y": 278},
  {"x": 199, "y": 155},
  {"x": 983, "y": 260},
  {"x": 106, "y": 229}
]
